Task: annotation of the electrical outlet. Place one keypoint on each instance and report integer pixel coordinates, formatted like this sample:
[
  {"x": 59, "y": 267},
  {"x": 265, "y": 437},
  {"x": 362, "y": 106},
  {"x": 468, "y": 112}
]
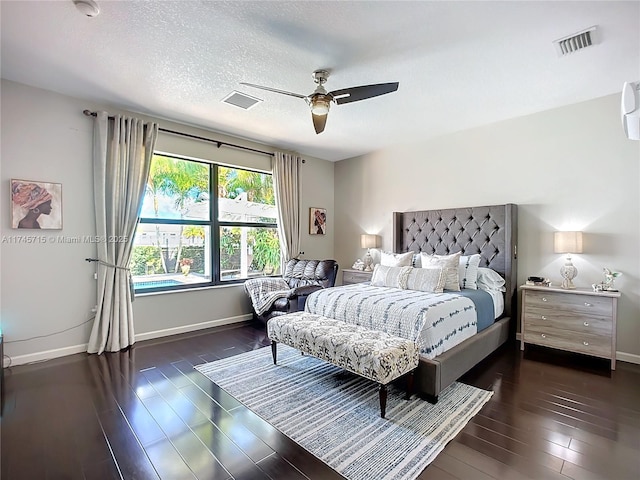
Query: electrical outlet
[
  {"x": 95, "y": 276},
  {"x": 94, "y": 309}
]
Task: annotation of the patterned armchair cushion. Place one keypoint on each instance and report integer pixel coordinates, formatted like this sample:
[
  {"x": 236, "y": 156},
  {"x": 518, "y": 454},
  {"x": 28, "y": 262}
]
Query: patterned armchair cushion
[{"x": 372, "y": 354}]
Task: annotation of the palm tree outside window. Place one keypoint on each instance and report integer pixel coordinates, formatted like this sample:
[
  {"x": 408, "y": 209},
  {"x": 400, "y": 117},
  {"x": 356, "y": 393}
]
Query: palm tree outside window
[{"x": 223, "y": 238}]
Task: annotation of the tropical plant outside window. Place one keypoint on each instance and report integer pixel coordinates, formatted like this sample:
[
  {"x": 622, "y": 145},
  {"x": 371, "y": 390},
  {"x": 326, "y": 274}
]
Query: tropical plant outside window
[{"x": 181, "y": 242}]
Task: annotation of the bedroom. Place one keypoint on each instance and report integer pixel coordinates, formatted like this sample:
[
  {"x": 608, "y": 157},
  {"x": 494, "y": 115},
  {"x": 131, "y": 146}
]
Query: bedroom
[{"x": 564, "y": 164}]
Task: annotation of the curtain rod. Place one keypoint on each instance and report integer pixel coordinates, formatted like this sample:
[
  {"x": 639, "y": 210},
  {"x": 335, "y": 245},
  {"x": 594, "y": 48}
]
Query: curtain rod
[{"x": 89, "y": 113}]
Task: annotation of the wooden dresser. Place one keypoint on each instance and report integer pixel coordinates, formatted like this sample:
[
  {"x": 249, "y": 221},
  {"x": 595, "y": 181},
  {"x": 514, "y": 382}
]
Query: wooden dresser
[
  {"x": 578, "y": 320},
  {"x": 355, "y": 276}
]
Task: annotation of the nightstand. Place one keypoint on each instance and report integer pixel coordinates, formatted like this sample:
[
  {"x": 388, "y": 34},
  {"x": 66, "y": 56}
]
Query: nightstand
[
  {"x": 355, "y": 276},
  {"x": 578, "y": 320}
]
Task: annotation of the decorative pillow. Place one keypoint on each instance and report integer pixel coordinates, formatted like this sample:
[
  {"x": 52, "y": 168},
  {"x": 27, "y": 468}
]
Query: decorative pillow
[
  {"x": 385, "y": 276},
  {"x": 489, "y": 279},
  {"x": 428, "y": 279},
  {"x": 468, "y": 271},
  {"x": 449, "y": 263},
  {"x": 389, "y": 259}
]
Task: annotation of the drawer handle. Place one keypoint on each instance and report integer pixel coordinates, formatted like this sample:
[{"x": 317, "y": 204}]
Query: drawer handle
[
  {"x": 543, "y": 335},
  {"x": 587, "y": 304},
  {"x": 586, "y": 344},
  {"x": 586, "y": 324},
  {"x": 544, "y": 317},
  {"x": 544, "y": 299}
]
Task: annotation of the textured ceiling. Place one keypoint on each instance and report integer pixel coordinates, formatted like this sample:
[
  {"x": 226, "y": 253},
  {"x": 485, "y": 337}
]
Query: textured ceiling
[{"x": 459, "y": 64}]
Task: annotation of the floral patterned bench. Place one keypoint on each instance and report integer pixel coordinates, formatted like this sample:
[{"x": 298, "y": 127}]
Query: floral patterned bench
[{"x": 372, "y": 354}]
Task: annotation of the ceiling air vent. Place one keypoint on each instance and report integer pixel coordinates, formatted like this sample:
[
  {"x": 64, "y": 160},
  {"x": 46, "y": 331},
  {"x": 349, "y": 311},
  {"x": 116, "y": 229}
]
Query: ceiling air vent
[
  {"x": 577, "y": 41},
  {"x": 241, "y": 100}
]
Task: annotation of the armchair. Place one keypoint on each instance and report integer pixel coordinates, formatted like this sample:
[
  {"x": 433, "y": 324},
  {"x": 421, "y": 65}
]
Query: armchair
[{"x": 277, "y": 296}]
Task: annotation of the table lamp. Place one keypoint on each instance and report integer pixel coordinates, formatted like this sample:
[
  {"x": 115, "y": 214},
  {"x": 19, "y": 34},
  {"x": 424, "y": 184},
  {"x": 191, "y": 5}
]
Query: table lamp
[
  {"x": 369, "y": 241},
  {"x": 567, "y": 242}
]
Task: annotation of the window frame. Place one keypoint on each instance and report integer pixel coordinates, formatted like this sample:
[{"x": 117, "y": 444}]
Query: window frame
[{"x": 213, "y": 223}]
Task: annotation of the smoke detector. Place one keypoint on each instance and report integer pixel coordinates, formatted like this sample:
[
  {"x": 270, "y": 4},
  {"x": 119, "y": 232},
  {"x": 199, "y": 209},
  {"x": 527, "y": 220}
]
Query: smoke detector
[
  {"x": 577, "y": 41},
  {"x": 87, "y": 7}
]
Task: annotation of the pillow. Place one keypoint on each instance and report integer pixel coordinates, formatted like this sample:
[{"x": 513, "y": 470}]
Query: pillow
[
  {"x": 389, "y": 259},
  {"x": 468, "y": 271},
  {"x": 428, "y": 279},
  {"x": 489, "y": 279},
  {"x": 449, "y": 264},
  {"x": 385, "y": 276}
]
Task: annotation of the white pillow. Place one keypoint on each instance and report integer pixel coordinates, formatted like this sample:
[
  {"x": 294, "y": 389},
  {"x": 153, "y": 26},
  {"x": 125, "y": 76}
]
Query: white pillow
[
  {"x": 428, "y": 279},
  {"x": 468, "y": 271},
  {"x": 389, "y": 259},
  {"x": 449, "y": 263},
  {"x": 491, "y": 280},
  {"x": 385, "y": 276}
]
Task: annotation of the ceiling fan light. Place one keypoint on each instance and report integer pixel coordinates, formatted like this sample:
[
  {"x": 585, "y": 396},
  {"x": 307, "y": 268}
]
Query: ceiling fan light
[
  {"x": 320, "y": 106},
  {"x": 87, "y": 7}
]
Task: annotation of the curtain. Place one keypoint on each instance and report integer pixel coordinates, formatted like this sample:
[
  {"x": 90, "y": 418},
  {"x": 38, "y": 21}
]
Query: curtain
[
  {"x": 122, "y": 152},
  {"x": 287, "y": 192}
]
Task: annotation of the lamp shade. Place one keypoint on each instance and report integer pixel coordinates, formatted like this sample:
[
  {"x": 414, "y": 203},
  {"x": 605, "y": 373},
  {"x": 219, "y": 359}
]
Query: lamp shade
[
  {"x": 369, "y": 241},
  {"x": 567, "y": 242}
]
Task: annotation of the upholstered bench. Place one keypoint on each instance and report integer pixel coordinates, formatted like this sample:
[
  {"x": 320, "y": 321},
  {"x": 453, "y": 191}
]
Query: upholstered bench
[{"x": 372, "y": 354}]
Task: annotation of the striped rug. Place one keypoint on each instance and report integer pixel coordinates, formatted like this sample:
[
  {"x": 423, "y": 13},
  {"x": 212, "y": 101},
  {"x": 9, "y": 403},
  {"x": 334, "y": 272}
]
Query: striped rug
[{"x": 336, "y": 415}]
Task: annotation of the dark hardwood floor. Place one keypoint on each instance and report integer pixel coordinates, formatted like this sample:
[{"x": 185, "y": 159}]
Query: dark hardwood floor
[{"x": 147, "y": 414}]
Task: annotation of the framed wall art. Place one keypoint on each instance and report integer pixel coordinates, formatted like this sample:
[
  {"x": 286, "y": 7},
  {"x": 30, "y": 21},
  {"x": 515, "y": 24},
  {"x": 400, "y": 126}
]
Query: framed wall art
[
  {"x": 317, "y": 221},
  {"x": 36, "y": 205}
]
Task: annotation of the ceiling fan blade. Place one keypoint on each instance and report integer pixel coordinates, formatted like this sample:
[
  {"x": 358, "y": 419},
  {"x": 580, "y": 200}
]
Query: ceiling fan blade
[
  {"x": 354, "y": 94},
  {"x": 319, "y": 121},
  {"x": 275, "y": 90}
]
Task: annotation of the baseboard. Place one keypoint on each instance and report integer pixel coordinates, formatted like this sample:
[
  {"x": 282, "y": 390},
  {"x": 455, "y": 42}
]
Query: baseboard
[
  {"x": 627, "y": 357},
  {"x": 63, "y": 352},
  {"x": 620, "y": 356},
  {"x": 44, "y": 355},
  {"x": 192, "y": 328}
]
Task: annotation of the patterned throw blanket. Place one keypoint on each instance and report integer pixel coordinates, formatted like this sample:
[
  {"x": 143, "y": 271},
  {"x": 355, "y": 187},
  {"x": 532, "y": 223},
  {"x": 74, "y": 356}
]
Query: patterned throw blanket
[
  {"x": 437, "y": 321},
  {"x": 264, "y": 291}
]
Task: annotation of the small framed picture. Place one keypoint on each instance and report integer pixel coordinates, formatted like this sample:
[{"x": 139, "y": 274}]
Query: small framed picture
[
  {"x": 317, "y": 221},
  {"x": 36, "y": 205}
]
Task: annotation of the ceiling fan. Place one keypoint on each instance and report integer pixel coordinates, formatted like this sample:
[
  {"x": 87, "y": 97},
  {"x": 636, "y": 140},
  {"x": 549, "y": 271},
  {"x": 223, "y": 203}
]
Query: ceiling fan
[{"x": 320, "y": 100}]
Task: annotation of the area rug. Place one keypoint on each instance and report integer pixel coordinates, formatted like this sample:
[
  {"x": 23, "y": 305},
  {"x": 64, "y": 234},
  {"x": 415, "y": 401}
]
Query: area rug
[{"x": 335, "y": 415}]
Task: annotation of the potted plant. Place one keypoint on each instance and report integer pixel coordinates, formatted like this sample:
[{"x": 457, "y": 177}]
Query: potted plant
[{"x": 185, "y": 265}]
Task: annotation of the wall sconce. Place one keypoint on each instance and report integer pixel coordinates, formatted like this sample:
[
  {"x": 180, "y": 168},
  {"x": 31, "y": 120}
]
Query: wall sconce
[
  {"x": 369, "y": 241},
  {"x": 568, "y": 242}
]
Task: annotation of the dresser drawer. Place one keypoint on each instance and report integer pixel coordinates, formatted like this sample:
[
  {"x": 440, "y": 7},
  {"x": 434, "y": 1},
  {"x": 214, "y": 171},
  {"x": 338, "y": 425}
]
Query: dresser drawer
[
  {"x": 541, "y": 317},
  {"x": 352, "y": 276},
  {"x": 549, "y": 336},
  {"x": 577, "y": 304}
]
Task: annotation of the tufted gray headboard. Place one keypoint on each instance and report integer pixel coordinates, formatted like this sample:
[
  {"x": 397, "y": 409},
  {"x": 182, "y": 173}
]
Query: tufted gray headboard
[{"x": 491, "y": 231}]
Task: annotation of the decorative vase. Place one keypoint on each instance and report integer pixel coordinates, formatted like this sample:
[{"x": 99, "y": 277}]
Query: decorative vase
[{"x": 185, "y": 269}]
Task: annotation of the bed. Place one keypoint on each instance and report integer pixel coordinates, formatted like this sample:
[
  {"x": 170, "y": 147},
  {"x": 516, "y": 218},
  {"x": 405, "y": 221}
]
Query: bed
[{"x": 490, "y": 232}]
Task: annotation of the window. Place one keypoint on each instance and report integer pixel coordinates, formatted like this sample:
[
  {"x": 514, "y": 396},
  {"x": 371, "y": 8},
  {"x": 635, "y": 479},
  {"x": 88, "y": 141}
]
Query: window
[{"x": 188, "y": 236}]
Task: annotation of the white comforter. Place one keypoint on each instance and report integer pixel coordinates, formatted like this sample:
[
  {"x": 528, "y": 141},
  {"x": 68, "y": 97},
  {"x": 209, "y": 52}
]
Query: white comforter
[{"x": 437, "y": 321}]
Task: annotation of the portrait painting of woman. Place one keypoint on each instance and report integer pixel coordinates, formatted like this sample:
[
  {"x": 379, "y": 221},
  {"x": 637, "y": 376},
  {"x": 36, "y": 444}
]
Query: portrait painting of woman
[
  {"x": 36, "y": 205},
  {"x": 317, "y": 221}
]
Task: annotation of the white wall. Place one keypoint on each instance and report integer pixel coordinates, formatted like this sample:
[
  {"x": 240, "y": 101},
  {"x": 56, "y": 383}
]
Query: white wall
[
  {"x": 569, "y": 168},
  {"x": 49, "y": 287}
]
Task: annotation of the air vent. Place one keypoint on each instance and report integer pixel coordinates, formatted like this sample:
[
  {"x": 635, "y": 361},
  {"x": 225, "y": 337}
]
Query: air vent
[
  {"x": 577, "y": 41},
  {"x": 241, "y": 100}
]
